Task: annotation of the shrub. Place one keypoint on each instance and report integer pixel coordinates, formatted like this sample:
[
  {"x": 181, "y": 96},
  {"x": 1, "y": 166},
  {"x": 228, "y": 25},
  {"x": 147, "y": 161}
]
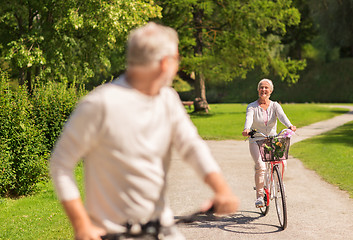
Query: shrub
[
  {"x": 53, "y": 103},
  {"x": 23, "y": 155}
]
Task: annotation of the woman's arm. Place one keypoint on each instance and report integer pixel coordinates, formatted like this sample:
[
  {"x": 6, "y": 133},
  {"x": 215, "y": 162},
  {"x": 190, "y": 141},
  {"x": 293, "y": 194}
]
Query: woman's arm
[
  {"x": 249, "y": 119},
  {"x": 282, "y": 116}
]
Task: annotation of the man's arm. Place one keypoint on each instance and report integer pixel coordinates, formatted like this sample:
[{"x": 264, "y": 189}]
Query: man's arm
[
  {"x": 224, "y": 201},
  {"x": 196, "y": 152},
  {"x": 78, "y": 135},
  {"x": 81, "y": 223}
]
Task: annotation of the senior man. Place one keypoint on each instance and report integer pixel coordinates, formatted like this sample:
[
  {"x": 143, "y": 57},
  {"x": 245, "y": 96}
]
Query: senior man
[{"x": 125, "y": 131}]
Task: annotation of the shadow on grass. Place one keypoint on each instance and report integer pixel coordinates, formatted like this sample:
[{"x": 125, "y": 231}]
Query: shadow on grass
[
  {"x": 338, "y": 111},
  {"x": 341, "y": 135}
]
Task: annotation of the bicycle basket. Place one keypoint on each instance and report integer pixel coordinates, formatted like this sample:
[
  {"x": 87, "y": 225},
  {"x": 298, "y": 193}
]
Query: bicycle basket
[{"x": 274, "y": 149}]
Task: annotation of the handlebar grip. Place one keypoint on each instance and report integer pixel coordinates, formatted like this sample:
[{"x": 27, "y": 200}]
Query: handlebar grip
[{"x": 252, "y": 133}]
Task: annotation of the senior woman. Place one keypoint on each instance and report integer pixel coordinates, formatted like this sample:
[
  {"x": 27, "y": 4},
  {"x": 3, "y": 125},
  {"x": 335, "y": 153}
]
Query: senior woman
[{"x": 262, "y": 115}]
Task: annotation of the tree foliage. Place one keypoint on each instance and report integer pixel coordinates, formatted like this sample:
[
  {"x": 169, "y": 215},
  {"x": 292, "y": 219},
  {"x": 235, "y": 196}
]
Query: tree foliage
[
  {"x": 297, "y": 36},
  {"x": 68, "y": 40},
  {"x": 334, "y": 20},
  {"x": 224, "y": 39}
]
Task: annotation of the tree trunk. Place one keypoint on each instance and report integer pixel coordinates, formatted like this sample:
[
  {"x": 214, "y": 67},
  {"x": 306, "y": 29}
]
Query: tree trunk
[
  {"x": 21, "y": 77},
  {"x": 29, "y": 80},
  {"x": 200, "y": 102}
]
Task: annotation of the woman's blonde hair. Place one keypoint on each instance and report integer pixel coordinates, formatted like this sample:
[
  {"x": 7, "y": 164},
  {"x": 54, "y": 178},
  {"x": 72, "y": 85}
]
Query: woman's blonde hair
[
  {"x": 265, "y": 80},
  {"x": 150, "y": 44}
]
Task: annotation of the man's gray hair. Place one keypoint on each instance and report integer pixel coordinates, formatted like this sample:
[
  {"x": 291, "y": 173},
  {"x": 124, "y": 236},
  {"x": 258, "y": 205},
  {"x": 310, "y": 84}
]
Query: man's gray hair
[
  {"x": 265, "y": 80},
  {"x": 151, "y": 43}
]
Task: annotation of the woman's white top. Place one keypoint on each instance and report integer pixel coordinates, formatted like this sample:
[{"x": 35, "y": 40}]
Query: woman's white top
[{"x": 255, "y": 119}]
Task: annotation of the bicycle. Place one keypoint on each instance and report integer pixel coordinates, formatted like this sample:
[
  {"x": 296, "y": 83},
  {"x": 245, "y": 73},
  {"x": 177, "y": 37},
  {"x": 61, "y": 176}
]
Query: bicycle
[
  {"x": 152, "y": 230},
  {"x": 273, "y": 150}
]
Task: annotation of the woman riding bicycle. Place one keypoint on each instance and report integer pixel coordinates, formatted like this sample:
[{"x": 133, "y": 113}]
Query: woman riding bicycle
[{"x": 262, "y": 115}]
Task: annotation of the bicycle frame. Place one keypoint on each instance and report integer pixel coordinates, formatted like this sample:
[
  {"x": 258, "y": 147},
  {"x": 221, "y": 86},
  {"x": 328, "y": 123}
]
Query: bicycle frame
[
  {"x": 274, "y": 190},
  {"x": 268, "y": 188}
]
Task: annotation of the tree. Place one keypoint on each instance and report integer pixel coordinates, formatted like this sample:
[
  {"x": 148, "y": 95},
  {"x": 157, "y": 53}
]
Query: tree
[
  {"x": 298, "y": 35},
  {"x": 334, "y": 20},
  {"x": 71, "y": 40},
  {"x": 224, "y": 39}
]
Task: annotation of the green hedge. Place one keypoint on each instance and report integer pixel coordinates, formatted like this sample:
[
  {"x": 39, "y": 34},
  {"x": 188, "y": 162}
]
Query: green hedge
[
  {"x": 29, "y": 127},
  {"x": 53, "y": 103},
  {"x": 23, "y": 154}
]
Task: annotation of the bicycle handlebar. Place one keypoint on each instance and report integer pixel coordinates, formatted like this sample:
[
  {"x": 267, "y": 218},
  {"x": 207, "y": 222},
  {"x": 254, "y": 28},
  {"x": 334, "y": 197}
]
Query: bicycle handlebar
[
  {"x": 254, "y": 131},
  {"x": 153, "y": 228}
]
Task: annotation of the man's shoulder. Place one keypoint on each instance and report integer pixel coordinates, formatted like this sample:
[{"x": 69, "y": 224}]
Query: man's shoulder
[
  {"x": 168, "y": 91},
  {"x": 117, "y": 85},
  {"x": 100, "y": 90},
  {"x": 169, "y": 95},
  {"x": 102, "y": 95}
]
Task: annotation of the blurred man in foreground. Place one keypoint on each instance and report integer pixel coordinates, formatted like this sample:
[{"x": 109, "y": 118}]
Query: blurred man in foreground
[{"x": 125, "y": 131}]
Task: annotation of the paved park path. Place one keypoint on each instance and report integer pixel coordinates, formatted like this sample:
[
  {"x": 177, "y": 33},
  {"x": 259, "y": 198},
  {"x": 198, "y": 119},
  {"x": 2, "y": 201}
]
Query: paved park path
[{"x": 316, "y": 209}]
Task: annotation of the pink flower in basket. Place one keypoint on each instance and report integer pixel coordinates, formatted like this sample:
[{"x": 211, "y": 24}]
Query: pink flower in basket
[{"x": 288, "y": 133}]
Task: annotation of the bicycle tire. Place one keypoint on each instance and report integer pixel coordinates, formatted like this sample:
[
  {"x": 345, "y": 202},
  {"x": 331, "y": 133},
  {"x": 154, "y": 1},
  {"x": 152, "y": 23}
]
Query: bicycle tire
[{"x": 280, "y": 198}]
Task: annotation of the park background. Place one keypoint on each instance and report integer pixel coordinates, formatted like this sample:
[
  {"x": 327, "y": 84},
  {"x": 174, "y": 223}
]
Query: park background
[{"x": 52, "y": 52}]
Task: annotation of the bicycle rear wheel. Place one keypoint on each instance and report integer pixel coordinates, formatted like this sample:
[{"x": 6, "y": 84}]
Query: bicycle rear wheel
[{"x": 280, "y": 197}]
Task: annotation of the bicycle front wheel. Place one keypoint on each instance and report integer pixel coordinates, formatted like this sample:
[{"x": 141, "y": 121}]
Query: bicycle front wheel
[{"x": 280, "y": 197}]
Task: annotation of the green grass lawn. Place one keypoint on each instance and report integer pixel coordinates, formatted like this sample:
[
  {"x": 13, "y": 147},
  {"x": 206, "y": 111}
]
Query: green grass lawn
[
  {"x": 330, "y": 155},
  {"x": 41, "y": 217},
  {"x": 36, "y": 217},
  {"x": 226, "y": 121}
]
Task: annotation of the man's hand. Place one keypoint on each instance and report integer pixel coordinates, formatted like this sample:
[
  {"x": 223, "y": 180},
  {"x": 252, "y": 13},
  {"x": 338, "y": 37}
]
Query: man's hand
[
  {"x": 89, "y": 233},
  {"x": 224, "y": 201},
  {"x": 81, "y": 223}
]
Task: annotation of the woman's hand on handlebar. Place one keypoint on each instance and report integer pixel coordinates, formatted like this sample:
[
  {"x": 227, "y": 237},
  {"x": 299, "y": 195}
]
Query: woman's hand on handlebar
[
  {"x": 293, "y": 128},
  {"x": 246, "y": 132}
]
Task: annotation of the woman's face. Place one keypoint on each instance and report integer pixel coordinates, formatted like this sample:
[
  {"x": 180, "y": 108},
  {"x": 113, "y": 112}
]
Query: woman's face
[{"x": 264, "y": 90}]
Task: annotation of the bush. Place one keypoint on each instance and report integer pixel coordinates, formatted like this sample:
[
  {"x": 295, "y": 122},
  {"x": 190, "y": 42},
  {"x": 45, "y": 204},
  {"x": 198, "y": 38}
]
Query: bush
[
  {"x": 53, "y": 103},
  {"x": 23, "y": 154}
]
